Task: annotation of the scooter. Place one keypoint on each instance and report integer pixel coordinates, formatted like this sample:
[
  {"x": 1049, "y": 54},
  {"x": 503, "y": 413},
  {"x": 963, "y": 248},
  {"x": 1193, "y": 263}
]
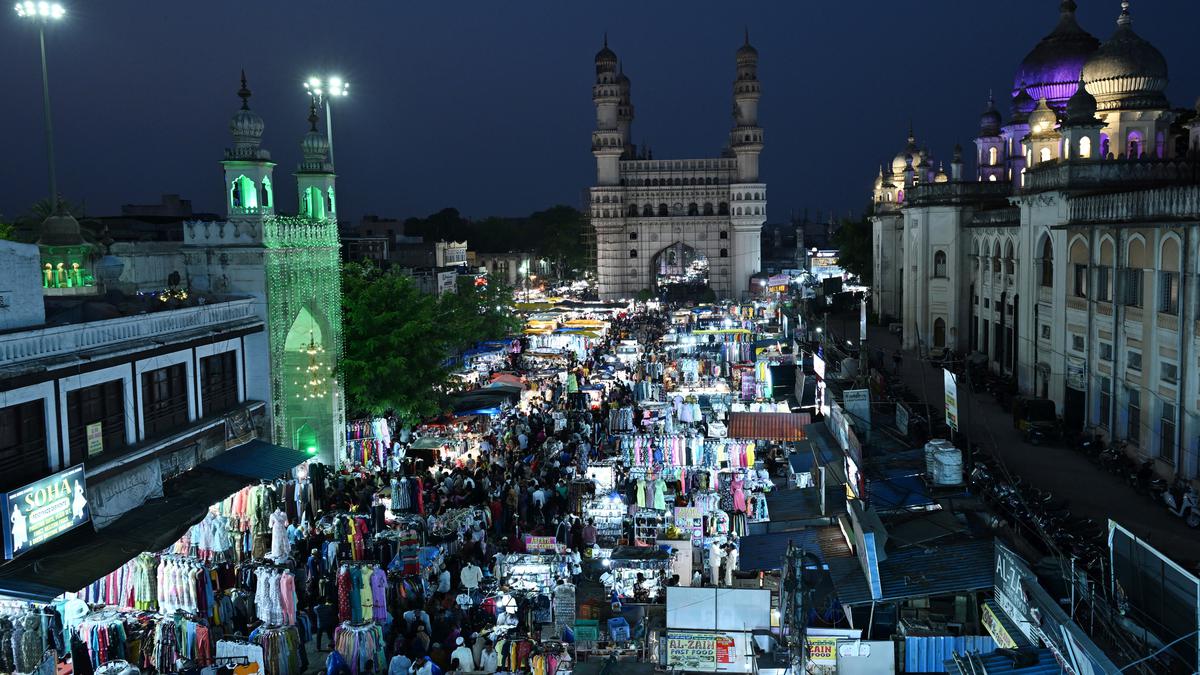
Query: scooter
[{"x": 1181, "y": 500}]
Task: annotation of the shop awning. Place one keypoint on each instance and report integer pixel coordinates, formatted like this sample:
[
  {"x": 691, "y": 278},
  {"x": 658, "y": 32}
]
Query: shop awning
[
  {"x": 81, "y": 557},
  {"x": 257, "y": 459},
  {"x": 429, "y": 443},
  {"x": 768, "y": 426},
  {"x": 1001, "y": 663},
  {"x": 766, "y": 552}
]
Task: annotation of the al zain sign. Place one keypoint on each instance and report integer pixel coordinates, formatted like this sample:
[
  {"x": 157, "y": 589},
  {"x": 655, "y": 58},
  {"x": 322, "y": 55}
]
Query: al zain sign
[{"x": 44, "y": 510}]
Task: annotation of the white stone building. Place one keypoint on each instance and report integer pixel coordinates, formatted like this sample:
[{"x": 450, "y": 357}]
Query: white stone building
[
  {"x": 662, "y": 222},
  {"x": 1070, "y": 256}
]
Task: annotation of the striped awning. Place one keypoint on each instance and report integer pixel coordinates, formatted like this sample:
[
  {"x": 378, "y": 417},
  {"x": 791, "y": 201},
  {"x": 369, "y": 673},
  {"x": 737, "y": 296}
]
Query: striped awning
[{"x": 768, "y": 426}]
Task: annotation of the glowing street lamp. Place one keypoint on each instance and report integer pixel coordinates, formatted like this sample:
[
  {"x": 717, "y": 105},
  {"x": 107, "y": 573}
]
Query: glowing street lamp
[
  {"x": 322, "y": 90},
  {"x": 42, "y": 13}
]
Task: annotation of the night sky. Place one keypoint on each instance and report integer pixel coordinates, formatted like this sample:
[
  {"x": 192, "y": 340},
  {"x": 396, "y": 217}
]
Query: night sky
[{"x": 486, "y": 106}]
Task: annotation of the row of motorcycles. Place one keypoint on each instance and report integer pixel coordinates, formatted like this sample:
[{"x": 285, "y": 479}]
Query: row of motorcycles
[
  {"x": 1022, "y": 505},
  {"x": 1178, "y": 497}
]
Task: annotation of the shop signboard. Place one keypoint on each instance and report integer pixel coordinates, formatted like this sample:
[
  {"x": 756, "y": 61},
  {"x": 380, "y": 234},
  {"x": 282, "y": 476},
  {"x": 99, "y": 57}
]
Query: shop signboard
[
  {"x": 822, "y": 643},
  {"x": 540, "y": 544},
  {"x": 41, "y": 511},
  {"x": 858, "y": 406},
  {"x": 1010, "y": 592},
  {"x": 818, "y": 366},
  {"x": 995, "y": 628},
  {"x": 691, "y": 519},
  {"x": 95, "y": 439},
  {"x": 951, "y": 398},
  {"x": 701, "y": 652},
  {"x": 902, "y": 419}
]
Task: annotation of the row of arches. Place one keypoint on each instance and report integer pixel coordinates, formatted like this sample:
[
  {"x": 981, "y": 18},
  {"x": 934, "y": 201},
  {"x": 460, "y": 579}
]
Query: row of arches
[
  {"x": 1136, "y": 257},
  {"x": 670, "y": 182},
  {"x": 744, "y": 196},
  {"x": 693, "y": 209},
  {"x": 722, "y": 253},
  {"x": 990, "y": 258},
  {"x": 244, "y": 194}
]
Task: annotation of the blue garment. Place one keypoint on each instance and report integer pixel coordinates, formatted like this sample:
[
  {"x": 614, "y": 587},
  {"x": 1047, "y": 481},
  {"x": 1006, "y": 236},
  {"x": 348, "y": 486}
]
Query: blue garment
[
  {"x": 336, "y": 665},
  {"x": 399, "y": 665}
]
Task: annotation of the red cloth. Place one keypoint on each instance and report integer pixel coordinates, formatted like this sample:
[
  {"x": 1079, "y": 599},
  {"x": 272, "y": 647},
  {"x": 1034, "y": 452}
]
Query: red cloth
[{"x": 343, "y": 587}]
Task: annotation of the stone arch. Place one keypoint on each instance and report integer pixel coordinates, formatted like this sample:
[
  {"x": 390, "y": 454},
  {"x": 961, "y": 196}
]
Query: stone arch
[
  {"x": 1046, "y": 257},
  {"x": 1135, "y": 252},
  {"x": 1010, "y": 257},
  {"x": 1169, "y": 253}
]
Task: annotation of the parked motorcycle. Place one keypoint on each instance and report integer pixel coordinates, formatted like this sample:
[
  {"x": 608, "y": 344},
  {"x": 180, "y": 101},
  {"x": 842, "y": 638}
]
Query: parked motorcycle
[{"x": 1181, "y": 500}]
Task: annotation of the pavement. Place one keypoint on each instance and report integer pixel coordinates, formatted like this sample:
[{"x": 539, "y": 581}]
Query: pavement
[{"x": 1091, "y": 491}]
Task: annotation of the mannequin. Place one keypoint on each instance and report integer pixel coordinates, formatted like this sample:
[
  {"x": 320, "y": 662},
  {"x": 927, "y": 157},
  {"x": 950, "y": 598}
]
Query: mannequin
[
  {"x": 731, "y": 561},
  {"x": 470, "y": 576},
  {"x": 279, "y": 539}
]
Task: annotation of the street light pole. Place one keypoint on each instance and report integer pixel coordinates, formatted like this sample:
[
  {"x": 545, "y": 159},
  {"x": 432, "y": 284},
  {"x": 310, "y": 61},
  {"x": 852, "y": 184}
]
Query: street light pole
[
  {"x": 43, "y": 13},
  {"x": 49, "y": 123},
  {"x": 329, "y": 128},
  {"x": 322, "y": 90}
]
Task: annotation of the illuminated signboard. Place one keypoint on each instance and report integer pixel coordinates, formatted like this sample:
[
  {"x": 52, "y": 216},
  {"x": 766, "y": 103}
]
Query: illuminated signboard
[{"x": 41, "y": 511}]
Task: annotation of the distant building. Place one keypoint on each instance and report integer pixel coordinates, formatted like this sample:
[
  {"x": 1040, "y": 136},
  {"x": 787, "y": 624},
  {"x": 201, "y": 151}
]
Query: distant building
[
  {"x": 662, "y": 223},
  {"x": 430, "y": 254},
  {"x": 435, "y": 281}
]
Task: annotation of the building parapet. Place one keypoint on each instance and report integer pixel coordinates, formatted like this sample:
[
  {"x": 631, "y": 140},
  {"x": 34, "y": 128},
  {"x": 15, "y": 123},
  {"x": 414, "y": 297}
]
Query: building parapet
[
  {"x": 1073, "y": 175},
  {"x": 59, "y": 341},
  {"x": 1167, "y": 204},
  {"x": 1006, "y": 217},
  {"x": 929, "y": 194}
]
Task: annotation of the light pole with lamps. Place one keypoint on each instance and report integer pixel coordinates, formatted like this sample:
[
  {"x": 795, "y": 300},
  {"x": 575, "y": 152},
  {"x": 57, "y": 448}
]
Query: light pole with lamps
[
  {"x": 42, "y": 13},
  {"x": 322, "y": 90}
]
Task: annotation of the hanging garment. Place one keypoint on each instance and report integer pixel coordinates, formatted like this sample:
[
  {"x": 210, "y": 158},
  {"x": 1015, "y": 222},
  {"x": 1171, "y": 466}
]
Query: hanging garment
[
  {"x": 279, "y": 539},
  {"x": 739, "y": 495}
]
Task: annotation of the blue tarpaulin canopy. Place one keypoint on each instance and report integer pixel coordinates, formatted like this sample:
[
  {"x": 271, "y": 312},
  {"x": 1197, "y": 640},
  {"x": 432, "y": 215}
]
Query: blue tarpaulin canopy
[{"x": 946, "y": 567}]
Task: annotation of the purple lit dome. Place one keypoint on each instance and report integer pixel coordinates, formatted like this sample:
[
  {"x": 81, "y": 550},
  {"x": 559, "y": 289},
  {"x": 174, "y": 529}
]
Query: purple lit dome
[
  {"x": 1127, "y": 72},
  {"x": 1051, "y": 71}
]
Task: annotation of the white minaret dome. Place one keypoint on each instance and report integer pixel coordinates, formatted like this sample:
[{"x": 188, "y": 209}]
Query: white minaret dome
[
  {"x": 314, "y": 145},
  {"x": 246, "y": 125},
  {"x": 747, "y": 53}
]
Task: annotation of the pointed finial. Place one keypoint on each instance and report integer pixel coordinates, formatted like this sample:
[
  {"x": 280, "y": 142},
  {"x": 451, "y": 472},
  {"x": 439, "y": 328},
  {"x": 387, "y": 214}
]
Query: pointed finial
[
  {"x": 1067, "y": 6},
  {"x": 747, "y": 29},
  {"x": 912, "y": 138},
  {"x": 606, "y": 39},
  {"x": 991, "y": 100},
  {"x": 1125, "y": 19},
  {"x": 244, "y": 92},
  {"x": 312, "y": 116}
]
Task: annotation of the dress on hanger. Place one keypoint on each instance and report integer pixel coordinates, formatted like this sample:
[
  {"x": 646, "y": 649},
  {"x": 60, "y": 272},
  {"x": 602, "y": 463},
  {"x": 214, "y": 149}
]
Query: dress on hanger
[
  {"x": 739, "y": 494},
  {"x": 279, "y": 538}
]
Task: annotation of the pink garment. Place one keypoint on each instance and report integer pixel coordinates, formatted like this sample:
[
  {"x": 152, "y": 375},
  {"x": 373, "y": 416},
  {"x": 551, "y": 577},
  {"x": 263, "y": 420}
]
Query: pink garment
[
  {"x": 739, "y": 495},
  {"x": 287, "y": 598}
]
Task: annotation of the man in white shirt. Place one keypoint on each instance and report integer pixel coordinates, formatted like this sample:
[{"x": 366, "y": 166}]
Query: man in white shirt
[
  {"x": 523, "y": 441},
  {"x": 444, "y": 582},
  {"x": 538, "y": 497},
  {"x": 489, "y": 660},
  {"x": 466, "y": 658},
  {"x": 715, "y": 554}
]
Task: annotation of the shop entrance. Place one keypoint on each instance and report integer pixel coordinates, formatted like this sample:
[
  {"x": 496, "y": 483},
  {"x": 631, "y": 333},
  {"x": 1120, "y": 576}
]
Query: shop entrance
[
  {"x": 681, "y": 273},
  {"x": 1074, "y": 404}
]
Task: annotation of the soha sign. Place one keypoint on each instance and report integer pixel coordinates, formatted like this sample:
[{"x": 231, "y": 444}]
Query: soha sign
[{"x": 44, "y": 510}]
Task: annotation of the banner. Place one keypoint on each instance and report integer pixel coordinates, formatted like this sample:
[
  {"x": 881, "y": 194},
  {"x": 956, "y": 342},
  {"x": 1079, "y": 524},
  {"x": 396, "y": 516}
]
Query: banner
[
  {"x": 41, "y": 511},
  {"x": 951, "y": 398},
  {"x": 862, "y": 322},
  {"x": 858, "y": 405},
  {"x": 704, "y": 652},
  {"x": 902, "y": 419}
]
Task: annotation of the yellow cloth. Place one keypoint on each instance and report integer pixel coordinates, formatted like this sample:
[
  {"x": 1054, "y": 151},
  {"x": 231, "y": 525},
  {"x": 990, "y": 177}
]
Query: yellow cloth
[
  {"x": 366, "y": 599},
  {"x": 750, "y": 455}
]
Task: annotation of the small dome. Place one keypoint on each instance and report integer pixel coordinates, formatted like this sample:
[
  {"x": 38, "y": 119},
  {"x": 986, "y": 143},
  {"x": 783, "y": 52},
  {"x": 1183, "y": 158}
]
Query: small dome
[
  {"x": 989, "y": 121},
  {"x": 60, "y": 230},
  {"x": 606, "y": 59},
  {"x": 941, "y": 177},
  {"x": 1043, "y": 119},
  {"x": 1052, "y": 68},
  {"x": 314, "y": 145},
  {"x": 1081, "y": 108},
  {"x": 747, "y": 52},
  {"x": 1127, "y": 71},
  {"x": 1022, "y": 105},
  {"x": 246, "y": 125}
]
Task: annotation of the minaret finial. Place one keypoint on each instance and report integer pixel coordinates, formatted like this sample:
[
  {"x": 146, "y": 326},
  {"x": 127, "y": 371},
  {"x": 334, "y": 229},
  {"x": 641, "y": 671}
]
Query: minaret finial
[
  {"x": 1067, "y": 6},
  {"x": 312, "y": 116},
  {"x": 747, "y": 29},
  {"x": 244, "y": 92},
  {"x": 1125, "y": 19},
  {"x": 606, "y": 39}
]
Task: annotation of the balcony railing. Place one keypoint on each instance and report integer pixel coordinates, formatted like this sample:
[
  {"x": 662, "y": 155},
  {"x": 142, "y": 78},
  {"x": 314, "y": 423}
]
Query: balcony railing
[
  {"x": 29, "y": 345},
  {"x": 1118, "y": 173},
  {"x": 1169, "y": 203}
]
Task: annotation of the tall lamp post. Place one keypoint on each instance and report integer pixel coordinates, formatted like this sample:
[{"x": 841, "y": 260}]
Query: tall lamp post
[
  {"x": 322, "y": 90},
  {"x": 42, "y": 13}
]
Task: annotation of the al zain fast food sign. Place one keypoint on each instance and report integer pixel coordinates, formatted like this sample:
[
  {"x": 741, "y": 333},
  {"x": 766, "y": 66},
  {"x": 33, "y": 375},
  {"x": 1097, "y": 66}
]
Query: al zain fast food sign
[{"x": 44, "y": 510}]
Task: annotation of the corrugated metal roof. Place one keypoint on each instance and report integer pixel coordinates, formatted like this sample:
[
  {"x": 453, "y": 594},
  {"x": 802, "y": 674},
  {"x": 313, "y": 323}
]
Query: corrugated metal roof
[
  {"x": 765, "y": 552},
  {"x": 898, "y": 493},
  {"x": 999, "y": 663},
  {"x": 929, "y": 653},
  {"x": 768, "y": 426},
  {"x": 257, "y": 459},
  {"x": 914, "y": 572},
  {"x": 805, "y": 503}
]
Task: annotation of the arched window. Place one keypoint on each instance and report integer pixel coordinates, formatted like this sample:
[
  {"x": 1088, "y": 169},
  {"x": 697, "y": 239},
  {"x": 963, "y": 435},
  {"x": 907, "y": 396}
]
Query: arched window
[
  {"x": 632, "y": 210},
  {"x": 243, "y": 194},
  {"x": 647, "y": 210},
  {"x": 723, "y": 209},
  {"x": 993, "y": 156},
  {"x": 758, "y": 195},
  {"x": 332, "y": 202},
  {"x": 266, "y": 197},
  {"x": 708, "y": 208},
  {"x": 1047, "y": 263},
  {"x": 939, "y": 264},
  {"x": 724, "y": 253},
  {"x": 633, "y": 236},
  {"x": 1134, "y": 144},
  {"x": 1010, "y": 262},
  {"x": 1044, "y": 155},
  {"x": 633, "y": 253},
  {"x": 899, "y": 196},
  {"x": 724, "y": 234},
  {"x": 737, "y": 211},
  {"x": 992, "y": 178},
  {"x": 662, "y": 210},
  {"x": 1103, "y": 146},
  {"x": 1085, "y": 147},
  {"x": 939, "y": 332},
  {"x": 693, "y": 209},
  {"x": 314, "y": 203}
]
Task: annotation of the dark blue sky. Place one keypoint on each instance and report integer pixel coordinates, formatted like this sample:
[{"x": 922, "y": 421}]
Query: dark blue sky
[{"x": 487, "y": 105}]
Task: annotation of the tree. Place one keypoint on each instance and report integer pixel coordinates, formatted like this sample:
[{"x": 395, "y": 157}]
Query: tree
[
  {"x": 398, "y": 340},
  {"x": 853, "y": 240}
]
